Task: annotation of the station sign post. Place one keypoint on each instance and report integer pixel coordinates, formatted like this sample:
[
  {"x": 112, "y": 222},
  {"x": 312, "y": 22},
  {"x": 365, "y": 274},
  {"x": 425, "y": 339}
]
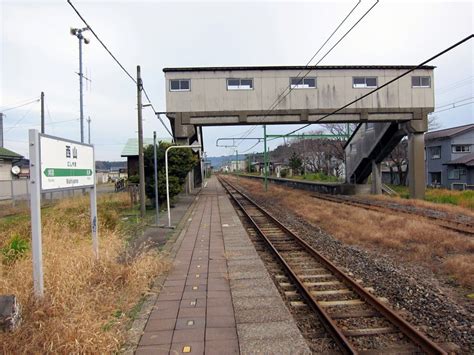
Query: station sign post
[{"x": 58, "y": 164}]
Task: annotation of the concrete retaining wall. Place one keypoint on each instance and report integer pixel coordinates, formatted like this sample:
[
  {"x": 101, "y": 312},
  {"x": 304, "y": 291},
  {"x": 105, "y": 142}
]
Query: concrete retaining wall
[{"x": 333, "y": 188}]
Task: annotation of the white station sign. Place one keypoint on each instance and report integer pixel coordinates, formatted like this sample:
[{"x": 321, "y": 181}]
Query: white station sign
[{"x": 65, "y": 164}]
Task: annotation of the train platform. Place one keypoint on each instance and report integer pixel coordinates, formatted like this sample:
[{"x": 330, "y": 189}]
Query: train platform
[{"x": 218, "y": 298}]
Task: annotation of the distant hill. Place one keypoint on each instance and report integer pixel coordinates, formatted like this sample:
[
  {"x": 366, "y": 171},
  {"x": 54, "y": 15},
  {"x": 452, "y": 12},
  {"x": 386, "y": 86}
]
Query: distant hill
[
  {"x": 217, "y": 162},
  {"x": 110, "y": 165}
]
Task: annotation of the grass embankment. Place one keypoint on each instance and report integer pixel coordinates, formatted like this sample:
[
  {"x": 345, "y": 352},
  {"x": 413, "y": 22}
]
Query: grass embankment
[
  {"x": 316, "y": 177},
  {"x": 409, "y": 239},
  {"x": 88, "y": 304},
  {"x": 458, "y": 198}
]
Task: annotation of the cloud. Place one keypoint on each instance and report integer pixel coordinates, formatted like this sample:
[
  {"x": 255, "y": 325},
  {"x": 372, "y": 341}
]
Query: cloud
[{"x": 39, "y": 54}]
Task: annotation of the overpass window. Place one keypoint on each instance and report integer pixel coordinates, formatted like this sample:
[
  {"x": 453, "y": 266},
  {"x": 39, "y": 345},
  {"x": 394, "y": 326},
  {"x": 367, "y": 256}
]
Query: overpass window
[
  {"x": 239, "y": 84},
  {"x": 180, "y": 85},
  {"x": 364, "y": 82},
  {"x": 420, "y": 81},
  {"x": 303, "y": 83}
]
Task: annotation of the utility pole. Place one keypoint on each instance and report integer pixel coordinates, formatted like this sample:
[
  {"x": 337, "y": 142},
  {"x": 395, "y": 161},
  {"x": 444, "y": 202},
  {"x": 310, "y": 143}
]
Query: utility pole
[
  {"x": 42, "y": 112},
  {"x": 81, "y": 99},
  {"x": 78, "y": 33},
  {"x": 155, "y": 164},
  {"x": 89, "y": 129},
  {"x": 265, "y": 167},
  {"x": 1, "y": 130},
  {"x": 141, "y": 160}
]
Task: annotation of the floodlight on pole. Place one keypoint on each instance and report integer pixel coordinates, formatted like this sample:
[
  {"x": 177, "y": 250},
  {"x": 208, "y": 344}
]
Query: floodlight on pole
[{"x": 78, "y": 33}]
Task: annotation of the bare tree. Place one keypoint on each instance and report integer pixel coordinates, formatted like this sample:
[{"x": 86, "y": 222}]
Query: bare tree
[
  {"x": 433, "y": 123},
  {"x": 398, "y": 159}
]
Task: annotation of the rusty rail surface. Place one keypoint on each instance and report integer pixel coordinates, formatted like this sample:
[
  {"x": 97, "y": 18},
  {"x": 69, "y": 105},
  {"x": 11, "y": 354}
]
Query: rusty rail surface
[{"x": 302, "y": 262}]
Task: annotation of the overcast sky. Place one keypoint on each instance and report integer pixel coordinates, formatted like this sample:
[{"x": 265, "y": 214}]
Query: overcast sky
[{"x": 38, "y": 53}]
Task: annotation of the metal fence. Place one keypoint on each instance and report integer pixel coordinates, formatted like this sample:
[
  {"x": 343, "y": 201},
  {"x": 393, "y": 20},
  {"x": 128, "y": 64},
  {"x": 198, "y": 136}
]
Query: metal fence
[{"x": 18, "y": 190}]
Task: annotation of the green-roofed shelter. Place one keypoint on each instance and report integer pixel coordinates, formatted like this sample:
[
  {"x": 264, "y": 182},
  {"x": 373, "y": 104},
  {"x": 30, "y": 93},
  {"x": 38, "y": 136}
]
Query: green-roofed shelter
[
  {"x": 130, "y": 151},
  {"x": 7, "y": 157}
]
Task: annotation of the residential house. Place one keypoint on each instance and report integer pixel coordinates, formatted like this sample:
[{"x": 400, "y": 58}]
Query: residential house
[
  {"x": 449, "y": 157},
  {"x": 7, "y": 160},
  {"x": 130, "y": 151}
]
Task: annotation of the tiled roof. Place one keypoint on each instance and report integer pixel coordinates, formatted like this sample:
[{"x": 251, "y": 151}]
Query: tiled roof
[
  {"x": 6, "y": 153},
  {"x": 131, "y": 147},
  {"x": 448, "y": 132},
  {"x": 467, "y": 159}
]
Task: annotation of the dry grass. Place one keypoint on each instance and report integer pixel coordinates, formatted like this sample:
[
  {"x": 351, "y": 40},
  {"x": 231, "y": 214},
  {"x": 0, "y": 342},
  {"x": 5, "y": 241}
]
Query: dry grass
[
  {"x": 411, "y": 239},
  {"x": 88, "y": 304},
  {"x": 443, "y": 207},
  {"x": 7, "y": 209}
]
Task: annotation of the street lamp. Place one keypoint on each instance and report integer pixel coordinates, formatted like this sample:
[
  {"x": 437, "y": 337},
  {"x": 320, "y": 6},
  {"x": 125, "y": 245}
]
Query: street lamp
[{"x": 78, "y": 33}]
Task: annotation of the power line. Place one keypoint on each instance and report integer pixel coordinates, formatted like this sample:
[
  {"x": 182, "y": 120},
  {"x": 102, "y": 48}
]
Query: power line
[
  {"x": 450, "y": 108},
  {"x": 455, "y": 83},
  {"x": 280, "y": 97},
  {"x": 120, "y": 64},
  {"x": 453, "y": 103},
  {"x": 17, "y": 122},
  {"x": 317, "y": 52},
  {"x": 102, "y": 43},
  {"x": 37, "y": 125},
  {"x": 22, "y": 105},
  {"x": 386, "y": 84},
  {"x": 327, "y": 53},
  {"x": 245, "y": 151}
]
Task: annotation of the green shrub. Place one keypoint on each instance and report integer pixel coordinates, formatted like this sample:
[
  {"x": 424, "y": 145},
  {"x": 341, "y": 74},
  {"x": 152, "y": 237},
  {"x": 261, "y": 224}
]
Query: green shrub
[
  {"x": 134, "y": 179},
  {"x": 15, "y": 249},
  {"x": 180, "y": 162}
]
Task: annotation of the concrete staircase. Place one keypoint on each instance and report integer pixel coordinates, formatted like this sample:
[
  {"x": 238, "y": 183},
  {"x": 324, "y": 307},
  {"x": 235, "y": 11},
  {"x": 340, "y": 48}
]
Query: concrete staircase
[{"x": 370, "y": 143}]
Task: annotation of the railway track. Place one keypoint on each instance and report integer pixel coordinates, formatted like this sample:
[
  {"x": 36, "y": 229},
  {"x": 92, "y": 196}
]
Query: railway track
[
  {"x": 358, "y": 321},
  {"x": 457, "y": 226}
]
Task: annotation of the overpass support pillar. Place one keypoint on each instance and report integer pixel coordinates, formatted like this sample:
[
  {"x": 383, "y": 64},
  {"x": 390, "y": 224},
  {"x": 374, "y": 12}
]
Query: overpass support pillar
[
  {"x": 416, "y": 165},
  {"x": 376, "y": 187}
]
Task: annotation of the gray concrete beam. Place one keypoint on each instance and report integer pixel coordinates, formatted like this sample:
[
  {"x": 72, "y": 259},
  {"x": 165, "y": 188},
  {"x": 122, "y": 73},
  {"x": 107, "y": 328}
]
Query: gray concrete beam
[
  {"x": 376, "y": 188},
  {"x": 416, "y": 165}
]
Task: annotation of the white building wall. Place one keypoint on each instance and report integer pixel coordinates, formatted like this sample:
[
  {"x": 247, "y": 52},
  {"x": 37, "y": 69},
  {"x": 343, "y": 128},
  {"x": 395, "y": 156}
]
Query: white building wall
[{"x": 5, "y": 169}]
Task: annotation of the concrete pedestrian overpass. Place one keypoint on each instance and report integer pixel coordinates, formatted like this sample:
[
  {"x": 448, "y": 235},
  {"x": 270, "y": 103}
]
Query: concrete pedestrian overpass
[{"x": 217, "y": 96}]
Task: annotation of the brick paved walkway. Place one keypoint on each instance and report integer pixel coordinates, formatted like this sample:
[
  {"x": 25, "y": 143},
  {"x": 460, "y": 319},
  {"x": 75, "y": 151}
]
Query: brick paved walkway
[{"x": 213, "y": 298}]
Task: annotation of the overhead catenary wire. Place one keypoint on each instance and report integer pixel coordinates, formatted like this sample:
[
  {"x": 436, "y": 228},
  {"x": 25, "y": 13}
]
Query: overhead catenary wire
[
  {"x": 325, "y": 55},
  {"x": 455, "y": 85},
  {"x": 253, "y": 146},
  {"x": 281, "y": 97},
  {"x": 384, "y": 85},
  {"x": 451, "y": 108},
  {"x": 455, "y": 102},
  {"x": 119, "y": 64},
  {"x": 317, "y": 52}
]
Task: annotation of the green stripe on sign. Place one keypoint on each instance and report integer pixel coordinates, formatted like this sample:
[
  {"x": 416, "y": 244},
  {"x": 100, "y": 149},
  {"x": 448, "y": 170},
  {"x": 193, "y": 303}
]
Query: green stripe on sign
[{"x": 59, "y": 172}]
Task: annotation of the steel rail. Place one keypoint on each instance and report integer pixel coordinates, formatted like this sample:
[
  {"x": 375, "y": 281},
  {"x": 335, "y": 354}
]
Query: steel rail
[
  {"x": 464, "y": 228},
  {"x": 408, "y": 330},
  {"x": 329, "y": 324}
]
